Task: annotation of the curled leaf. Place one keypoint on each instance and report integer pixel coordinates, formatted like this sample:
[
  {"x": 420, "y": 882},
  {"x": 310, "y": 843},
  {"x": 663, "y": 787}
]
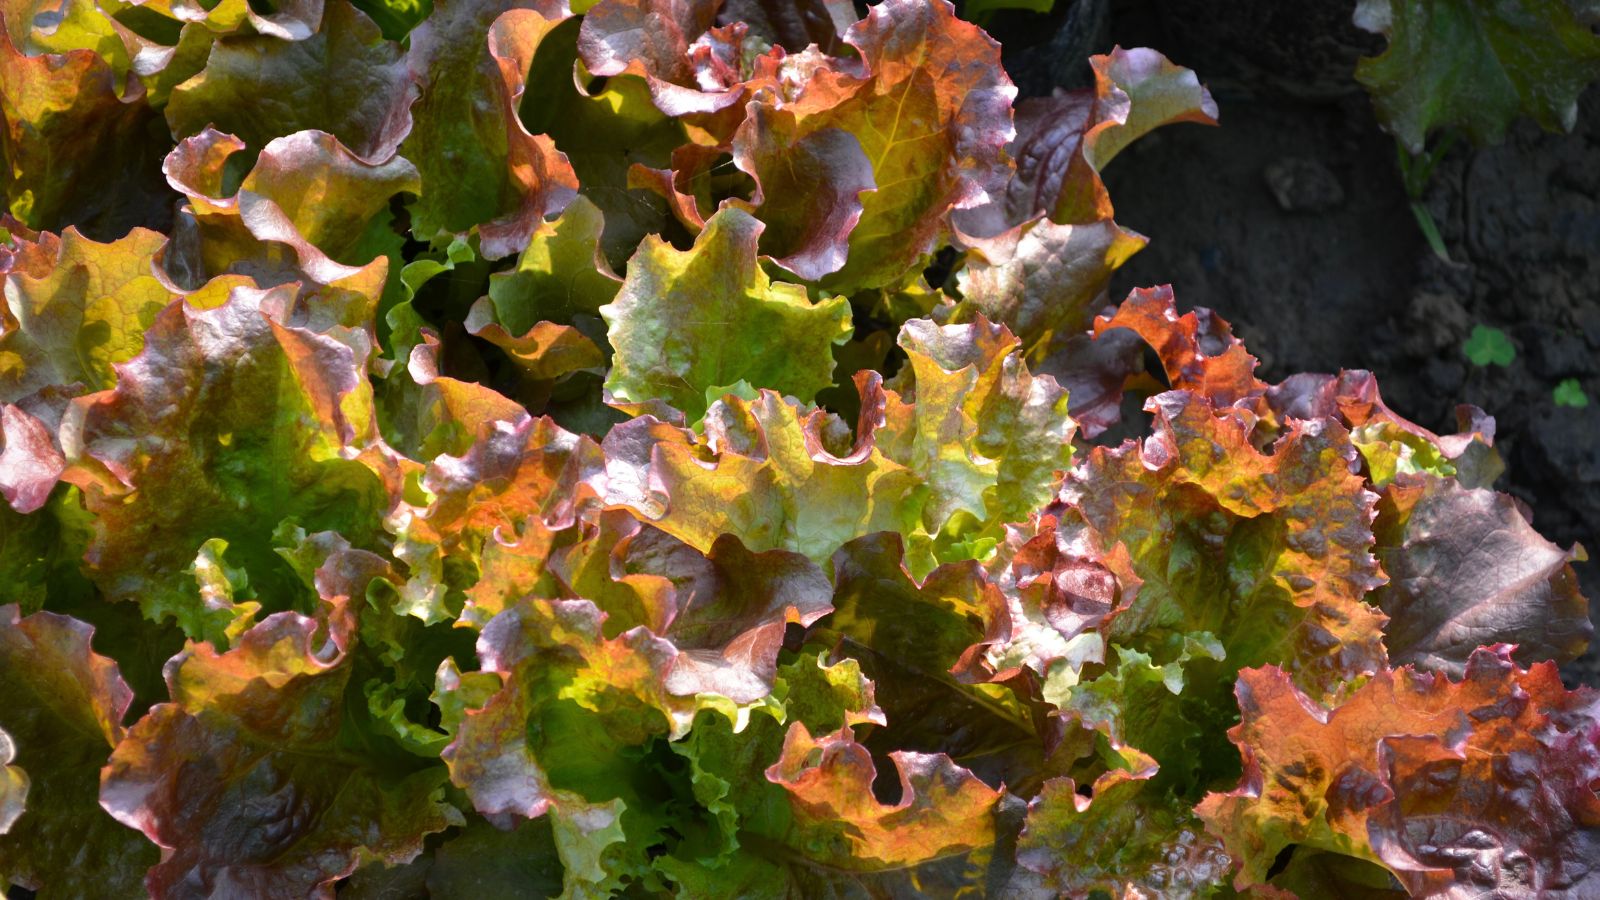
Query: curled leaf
[
  {"x": 1469, "y": 786},
  {"x": 676, "y": 305},
  {"x": 63, "y": 714},
  {"x": 943, "y": 809},
  {"x": 266, "y": 717}
]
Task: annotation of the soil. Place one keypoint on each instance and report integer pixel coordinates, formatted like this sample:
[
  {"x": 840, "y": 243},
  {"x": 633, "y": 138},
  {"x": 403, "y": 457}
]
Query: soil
[{"x": 1291, "y": 221}]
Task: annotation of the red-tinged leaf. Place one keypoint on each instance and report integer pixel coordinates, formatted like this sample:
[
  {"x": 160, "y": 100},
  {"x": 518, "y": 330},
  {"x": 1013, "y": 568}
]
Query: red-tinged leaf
[
  {"x": 1482, "y": 823},
  {"x": 75, "y": 148},
  {"x": 1271, "y": 553},
  {"x": 30, "y": 460},
  {"x": 1197, "y": 349},
  {"x": 1389, "y": 443},
  {"x": 794, "y": 26},
  {"x": 531, "y": 467},
  {"x": 672, "y": 46},
  {"x": 479, "y": 165},
  {"x": 75, "y": 308},
  {"x": 63, "y": 714},
  {"x": 520, "y": 480},
  {"x": 1461, "y": 788},
  {"x": 345, "y": 80},
  {"x": 943, "y": 809},
  {"x": 930, "y": 105},
  {"x": 302, "y": 208},
  {"x": 1466, "y": 569},
  {"x": 225, "y": 425},
  {"x": 1058, "y": 597},
  {"x": 725, "y": 611},
  {"x": 250, "y": 780},
  {"x": 1063, "y": 142},
  {"x": 1046, "y": 279},
  {"x": 808, "y": 189},
  {"x": 510, "y": 567},
  {"x": 1094, "y": 369}
]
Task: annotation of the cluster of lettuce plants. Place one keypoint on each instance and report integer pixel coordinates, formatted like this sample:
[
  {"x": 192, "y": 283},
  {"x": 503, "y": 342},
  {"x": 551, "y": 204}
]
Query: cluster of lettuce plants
[{"x": 531, "y": 459}]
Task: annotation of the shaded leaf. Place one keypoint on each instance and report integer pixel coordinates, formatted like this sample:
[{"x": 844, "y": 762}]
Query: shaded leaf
[
  {"x": 265, "y": 718},
  {"x": 1466, "y": 570},
  {"x": 64, "y": 711},
  {"x": 1475, "y": 66},
  {"x": 1123, "y": 838},
  {"x": 479, "y": 165},
  {"x": 725, "y": 611},
  {"x": 345, "y": 80}
]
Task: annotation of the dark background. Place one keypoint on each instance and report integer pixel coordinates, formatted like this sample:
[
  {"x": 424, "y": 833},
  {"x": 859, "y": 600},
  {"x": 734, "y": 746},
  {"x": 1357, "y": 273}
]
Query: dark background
[{"x": 1335, "y": 273}]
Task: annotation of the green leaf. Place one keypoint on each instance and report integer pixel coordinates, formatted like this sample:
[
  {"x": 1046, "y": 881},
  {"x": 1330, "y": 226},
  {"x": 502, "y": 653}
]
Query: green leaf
[
  {"x": 1489, "y": 347},
  {"x": 1570, "y": 393},
  {"x": 767, "y": 486},
  {"x": 559, "y": 276},
  {"x": 989, "y": 439},
  {"x": 686, "y": 321},
  {"x": 480, "y": 167},
  {"x": 604, "y": 133},
  {"x": 88, "y": 313},
  {"x": 1476, "y": 66}
]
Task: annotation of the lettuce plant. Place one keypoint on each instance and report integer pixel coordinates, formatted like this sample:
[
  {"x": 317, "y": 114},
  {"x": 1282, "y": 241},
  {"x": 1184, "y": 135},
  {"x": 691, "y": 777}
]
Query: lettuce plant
[{"x": 528, "y": 457}]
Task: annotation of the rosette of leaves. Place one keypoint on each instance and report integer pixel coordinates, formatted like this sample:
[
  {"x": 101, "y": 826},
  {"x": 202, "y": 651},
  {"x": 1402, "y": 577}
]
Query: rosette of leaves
[{"x": 522, "y": 459}]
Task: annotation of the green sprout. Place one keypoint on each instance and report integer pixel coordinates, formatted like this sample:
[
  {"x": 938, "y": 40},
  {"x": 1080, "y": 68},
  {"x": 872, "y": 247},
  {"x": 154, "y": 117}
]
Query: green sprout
[
  {"x": 1415, "y": 171},
  {"x": 1570, "y": 393},
  {"x": 1489, "y": 347}
]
